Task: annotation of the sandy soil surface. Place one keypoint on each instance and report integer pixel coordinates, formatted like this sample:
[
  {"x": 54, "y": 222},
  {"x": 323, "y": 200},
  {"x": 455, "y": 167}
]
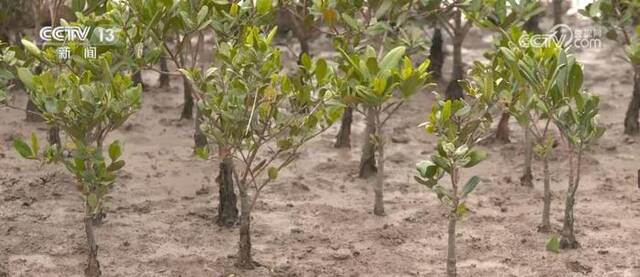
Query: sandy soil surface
[{"x": 317, "y": 220}]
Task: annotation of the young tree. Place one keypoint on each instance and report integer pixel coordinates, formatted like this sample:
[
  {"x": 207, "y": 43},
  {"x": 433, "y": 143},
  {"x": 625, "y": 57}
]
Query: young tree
[
  {"x": 619, "y": 18},
  {"x": 353, "y": 25},
  {"x": 86, "y": 106},
  {"x": 534, "y": 74},
  {"x": 578, "y": 123},
  {"x": 459, "y": 124},
  {"x": 457, "y": 17},
  {"x": 260, "y": 117},
  {"x": 502, "y": 130},
  {"x": 380, "y": 87}
]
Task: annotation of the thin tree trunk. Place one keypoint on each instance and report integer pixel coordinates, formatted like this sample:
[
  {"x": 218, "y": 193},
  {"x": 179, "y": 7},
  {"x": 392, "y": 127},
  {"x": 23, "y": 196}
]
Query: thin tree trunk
[
  {"x": 33, "y": 114},
  {"x": 54, "y": 136},
  {"x": 436, "y": 54},
  {"x": 200, "y": 140},
  {"x": 93, "y": 266},
  {"x": 343, "y": 139},
  {"x": 304, "y": 48},
  {"x": 533, "y": 25},
  {"x": 137, "y": 79},
  {"x": 227, "y": 210},
  {"x": 557, "y": 12},
  {"x": 378, "y": 207},
  {"x": 451, "y": 250},
  {"x": 545, "y": 227},
  {"x": 454, "y": 91},
  {"x": 187, "y": 109},
  {"x": 244, "y": 250},
  {"x": 526, "y": 180},
  {"x": 631, "y": 126},
  {"x": 502, "y": 132},
  {"x": 368, "y": 159},
  {"x": 453, "y": 218},
  {"x": 568, "y": 239},
  {"x": 164, "y": 77}
]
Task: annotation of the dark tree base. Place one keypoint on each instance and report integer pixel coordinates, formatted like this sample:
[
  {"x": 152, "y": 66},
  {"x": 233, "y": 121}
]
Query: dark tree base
[
  {"x": 454, "y": 91},
  {"x": 436, "y": 54},
  {"x": 137, "y": 79},
  {"x": 227, "y": 209},
  {"x": 526, "y": 180},
  {"x": 343, "y": 139},
  {"x": 566, "y": 243},
  {"x": 33, "y": 114},
  {"x": 187, "y": 109},
  {"x": 503, "y": 132}
]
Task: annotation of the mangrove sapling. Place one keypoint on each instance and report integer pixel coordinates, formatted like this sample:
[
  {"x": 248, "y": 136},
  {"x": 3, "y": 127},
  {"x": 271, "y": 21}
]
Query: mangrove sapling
[
  {"x": 380, "y": 87},
  {"x": 260, "y": 117},
  {"x": 578, "y": 123},
  {"x": 534, "y": 72},
  {"x": 579, "y": 134},
  {"x": 503, "y": 131},
  {"x": 619, "y": 18},
  {"x": 459, "y": 124},
  {"x": 86, "y": 108},
  {"x": 457, "y": 17},
  {"x": 354, "y": 24}
]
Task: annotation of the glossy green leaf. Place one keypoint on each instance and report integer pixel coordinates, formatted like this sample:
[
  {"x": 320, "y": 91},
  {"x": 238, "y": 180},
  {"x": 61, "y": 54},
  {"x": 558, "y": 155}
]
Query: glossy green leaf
[
  {"x": 263, "y": 6},
  {"x": 115, "y": 166},
  {"x": 115, "y": 150},
  {"x": 475, "y": 157},
  {"x": 470, "y": 185},
  {"x": 392, "y": 59},
  {"x": 23, "y": 149}
]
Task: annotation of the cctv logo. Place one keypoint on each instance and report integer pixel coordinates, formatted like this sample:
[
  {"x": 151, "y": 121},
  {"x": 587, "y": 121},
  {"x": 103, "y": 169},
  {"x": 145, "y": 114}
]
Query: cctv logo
[{"x": 64, "y": 33}]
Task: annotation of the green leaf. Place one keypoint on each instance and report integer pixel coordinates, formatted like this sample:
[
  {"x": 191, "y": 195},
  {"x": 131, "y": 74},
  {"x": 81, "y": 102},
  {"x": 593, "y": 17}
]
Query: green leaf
[
  {"x": 92, "y": 200},
  {"x": 384, "y": 8},
  {"x": 475, "y": 157},
  {"x": 553, "y": 245},
  {"x": 442, "y": 163},
  {"x": 115, "y": 150},
  {"x": 461, "y": 210},
  {"x": 351, "y": 22},
  {"x": 470, "y": 185},
  {"x": 321, "y": 69},
  {"x": 575, "y": 79},
  {"x": 426, "y": 168},
  {"x": 26, "y": 78},
  {"x": 202, "y": 14},
  {"x": 115, "y": 166},
  {"x": 32, "y": 48},
  {"x": 23, "y": 149},
  {"x": 391, "y": 60},
  {"x": 446, "y": 111},
  {"x": 273, "y": 173},
  {"x": 34, "y": 144},
  {"x": 272, "y": 34},
  {"x": 202, "y": 152},
  {"x": 263, "y": 6}
]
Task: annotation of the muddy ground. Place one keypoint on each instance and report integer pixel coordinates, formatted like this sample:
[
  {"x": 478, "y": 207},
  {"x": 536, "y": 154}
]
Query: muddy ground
[{"x": 317, "y": 220}]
